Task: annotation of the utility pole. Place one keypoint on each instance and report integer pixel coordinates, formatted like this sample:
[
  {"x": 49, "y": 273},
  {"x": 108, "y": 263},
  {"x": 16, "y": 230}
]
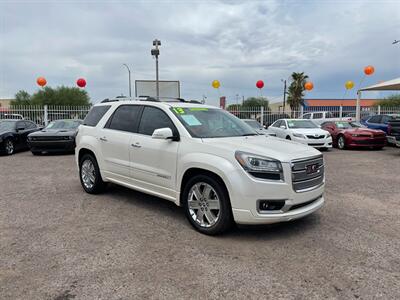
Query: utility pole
[
  {"x": 130, "y": 85},
  {"x": 284, "y": 94},
  {"x": 156, "y": 52}
]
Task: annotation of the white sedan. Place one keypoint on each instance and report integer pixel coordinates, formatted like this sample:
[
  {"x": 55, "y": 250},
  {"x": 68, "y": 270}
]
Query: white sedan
[{"x": 302, "y": 131}]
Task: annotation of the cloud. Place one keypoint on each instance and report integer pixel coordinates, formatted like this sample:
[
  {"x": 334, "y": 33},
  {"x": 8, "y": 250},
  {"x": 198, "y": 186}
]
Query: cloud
[{"x": 233, "y": 41}]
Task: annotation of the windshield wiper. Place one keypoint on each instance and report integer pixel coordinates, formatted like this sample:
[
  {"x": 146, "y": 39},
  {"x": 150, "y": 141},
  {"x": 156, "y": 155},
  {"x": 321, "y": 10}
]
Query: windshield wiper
[{"x": 249, "y": 134}]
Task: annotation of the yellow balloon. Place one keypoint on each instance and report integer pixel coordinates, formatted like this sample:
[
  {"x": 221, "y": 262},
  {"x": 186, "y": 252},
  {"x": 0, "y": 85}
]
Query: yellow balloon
[
  {"x": 349, "y": 85},
  {"x": 216, "y": 84}
]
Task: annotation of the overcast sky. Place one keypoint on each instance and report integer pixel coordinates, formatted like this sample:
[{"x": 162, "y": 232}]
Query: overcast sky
[{"x": 236, "y": 42}]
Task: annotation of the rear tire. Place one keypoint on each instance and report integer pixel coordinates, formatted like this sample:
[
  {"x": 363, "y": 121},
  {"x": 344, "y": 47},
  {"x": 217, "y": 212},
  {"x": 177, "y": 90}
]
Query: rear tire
[
  {"x": 341, "y": 142},
  {"x": 89, "y": 174},
  {"x": 288, "y": 138},
  {"x": 207, "y": 205}
]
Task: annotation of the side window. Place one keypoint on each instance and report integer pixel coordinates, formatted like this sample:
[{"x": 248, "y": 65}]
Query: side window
[
  {"x": 307, "y": 116},
  {"x": 317, "y": 115},
  {"x": 277, "y": 124},
  {"x": 385, "y": 119},
  {"x": 124, "y": 118},
  {"x": 21, "y": 124},
  {"x": 95, "y": 115},
  {"x": 375, "y": 119},
  {"x": 328, "y": 115},
  {"x": 30, "y": 125},
  {"x": 154, "y": 118}
]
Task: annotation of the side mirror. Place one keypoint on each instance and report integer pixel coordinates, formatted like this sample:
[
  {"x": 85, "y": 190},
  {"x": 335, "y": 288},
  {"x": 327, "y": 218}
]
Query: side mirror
[
  {"x": 20, "y": 128},
  {"x": 283, "y": 127},
  {"x": 163, "y": 134}
]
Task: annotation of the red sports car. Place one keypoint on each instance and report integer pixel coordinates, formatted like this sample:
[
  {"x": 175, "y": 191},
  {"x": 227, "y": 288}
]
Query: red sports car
[{"x": 351, "y": 134}]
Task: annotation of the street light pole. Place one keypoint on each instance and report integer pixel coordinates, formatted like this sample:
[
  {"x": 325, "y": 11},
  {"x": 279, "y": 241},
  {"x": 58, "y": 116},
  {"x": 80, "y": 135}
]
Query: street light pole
[
  {"x": 130, "y": 85},
  {"x": 156, "y": 52}
]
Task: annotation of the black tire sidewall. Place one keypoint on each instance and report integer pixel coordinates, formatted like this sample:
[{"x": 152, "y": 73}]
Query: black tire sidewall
[
  {"x": 98, "y": 185},
  {"x": 225, "y": 218},
  {"x": 5, "y": 147},
  {"x": 344, "y": 142}
]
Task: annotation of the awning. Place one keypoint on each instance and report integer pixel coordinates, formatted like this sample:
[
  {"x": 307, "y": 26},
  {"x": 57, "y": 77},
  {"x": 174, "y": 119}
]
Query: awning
[{"x": 390, "y": 85}]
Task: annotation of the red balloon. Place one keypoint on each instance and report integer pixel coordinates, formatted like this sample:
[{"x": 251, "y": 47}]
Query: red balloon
[
  {"x": 260, "y": 84},
  {"x": 41, "y": 81},
  {"x": 81, "y": 82},
  {"x": 369, "y": 70}
]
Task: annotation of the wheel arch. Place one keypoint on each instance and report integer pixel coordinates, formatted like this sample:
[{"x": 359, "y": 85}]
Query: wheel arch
[{"x": 193, "y": 171}]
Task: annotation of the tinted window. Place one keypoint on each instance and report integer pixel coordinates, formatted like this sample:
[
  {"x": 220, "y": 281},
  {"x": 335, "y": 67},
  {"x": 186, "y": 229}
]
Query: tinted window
[
  {"x": 95, "y": 114},
  {"x": 125, "y": 118},
  {"x": 317, "y": 115},
  {"x": 386, "y": 119},
  {"x": 306, "y": 116},
  {"x": 154, "y": 118},
  {"x": 21, "y": 124},
  {"x": 30, "y": 125},
  {"x": 375, "y": 119},
  {"x": 277, "y": 123}
]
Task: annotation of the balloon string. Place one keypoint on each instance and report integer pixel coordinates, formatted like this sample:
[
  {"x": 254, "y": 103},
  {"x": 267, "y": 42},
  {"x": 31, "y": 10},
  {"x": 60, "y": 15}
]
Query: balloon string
[{"x": 362, "y": 79}]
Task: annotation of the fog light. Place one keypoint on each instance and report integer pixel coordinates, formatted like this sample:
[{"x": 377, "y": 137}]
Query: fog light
[{"x": 270, "y": 205}]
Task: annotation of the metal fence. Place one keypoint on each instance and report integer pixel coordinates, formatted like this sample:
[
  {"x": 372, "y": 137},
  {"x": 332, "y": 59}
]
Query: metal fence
[
  {"x": 42, "y": 115},
  {"x": 266, "y": 116}
]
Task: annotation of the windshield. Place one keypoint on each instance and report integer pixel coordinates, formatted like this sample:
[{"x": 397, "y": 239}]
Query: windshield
[
  {"x": 64, "y": 124},
  {"x": 254, "y": 124},
  {"x": 202, "y": 122},
  {"x": 7, "y": 125},
  {"x": 301, "y": 124}
]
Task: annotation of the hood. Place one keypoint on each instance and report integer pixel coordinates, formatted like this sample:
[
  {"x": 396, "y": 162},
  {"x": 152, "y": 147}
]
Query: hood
[
  {"x": 6, "y": 131},
  {"x": 54, "y": 132},
  {"x": 363, "y": 130},
  {"x": 310, "y": 131},
  {"x": 280, "y": 149}
]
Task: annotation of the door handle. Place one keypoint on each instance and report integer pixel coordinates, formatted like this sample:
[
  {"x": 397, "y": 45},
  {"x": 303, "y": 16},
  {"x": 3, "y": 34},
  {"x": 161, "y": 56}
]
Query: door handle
[
  {"x": 137, "y": 145},
  {"x": 103, "y": 139}
]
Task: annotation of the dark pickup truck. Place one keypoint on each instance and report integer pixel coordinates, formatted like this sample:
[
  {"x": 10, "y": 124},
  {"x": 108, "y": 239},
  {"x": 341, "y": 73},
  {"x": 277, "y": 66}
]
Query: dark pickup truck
[{"x": 393, "y": 135}]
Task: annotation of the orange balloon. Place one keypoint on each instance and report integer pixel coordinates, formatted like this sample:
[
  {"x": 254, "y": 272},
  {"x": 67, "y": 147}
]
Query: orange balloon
[
  {"x": 41, "y": 81},
  {"x": 308, "y": 86},
  {"x": 369, "y": 70}
]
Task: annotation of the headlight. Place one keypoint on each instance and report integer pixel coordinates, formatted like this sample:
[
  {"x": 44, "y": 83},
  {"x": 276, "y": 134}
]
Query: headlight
[
  {"x": 299, "y": 135},
  {"x": 260, "y": 166}
]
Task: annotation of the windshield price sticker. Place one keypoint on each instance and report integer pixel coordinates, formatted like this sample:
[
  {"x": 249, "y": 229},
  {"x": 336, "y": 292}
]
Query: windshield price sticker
[
  {"x": 179, "y": 110},
  {"x": 191, "y": 120},
  {"x": 198, "y": 109}
]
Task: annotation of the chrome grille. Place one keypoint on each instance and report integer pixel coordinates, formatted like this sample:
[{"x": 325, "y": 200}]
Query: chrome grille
[{"x": 307, "y": 174}]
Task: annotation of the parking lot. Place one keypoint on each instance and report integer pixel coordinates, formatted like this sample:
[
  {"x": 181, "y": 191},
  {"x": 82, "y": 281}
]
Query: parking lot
[{"x": 57, "y": 242}]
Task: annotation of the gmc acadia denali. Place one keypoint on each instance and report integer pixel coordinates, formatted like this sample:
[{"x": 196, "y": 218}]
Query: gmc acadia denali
[{"x": 202, "y": 158}]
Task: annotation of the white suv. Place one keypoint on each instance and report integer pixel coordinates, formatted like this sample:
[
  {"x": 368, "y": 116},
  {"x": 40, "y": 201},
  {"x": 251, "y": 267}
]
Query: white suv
[{"x": 202, "y": 158}]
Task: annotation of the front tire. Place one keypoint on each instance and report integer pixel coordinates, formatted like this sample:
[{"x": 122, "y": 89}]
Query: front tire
[
  {"x": 207, "y": 206},
  {"x": 341, "y": 143},
  {"x": 89, "y": 174}
]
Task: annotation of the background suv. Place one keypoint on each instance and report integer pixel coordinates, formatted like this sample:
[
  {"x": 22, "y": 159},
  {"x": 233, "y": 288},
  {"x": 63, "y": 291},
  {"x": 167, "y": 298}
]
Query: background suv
[{"x": 202, "y": 158}]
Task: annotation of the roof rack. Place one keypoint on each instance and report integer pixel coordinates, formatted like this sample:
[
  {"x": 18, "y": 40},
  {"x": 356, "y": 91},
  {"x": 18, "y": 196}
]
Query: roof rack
[{"x": 150, "y": 98}]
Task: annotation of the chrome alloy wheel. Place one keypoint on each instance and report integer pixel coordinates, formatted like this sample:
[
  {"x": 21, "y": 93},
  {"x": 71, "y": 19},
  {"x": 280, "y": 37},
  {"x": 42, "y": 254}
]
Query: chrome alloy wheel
[
  {"x": 341, "y": 142},
  {"x": 9, "y": 147},
  {"x": 204, "y": 204},
  {"x": 88, "y": 174}
]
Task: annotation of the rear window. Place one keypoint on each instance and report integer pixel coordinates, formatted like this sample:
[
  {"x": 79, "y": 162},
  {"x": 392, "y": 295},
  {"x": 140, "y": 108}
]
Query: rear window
[{"x": 95, "y": 114}]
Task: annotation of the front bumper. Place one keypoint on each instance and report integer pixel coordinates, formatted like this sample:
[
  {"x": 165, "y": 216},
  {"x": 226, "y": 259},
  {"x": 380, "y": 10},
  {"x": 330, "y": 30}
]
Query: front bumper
[
  {"x": 52, "y": 146},
  {"x": 395, "y": 140},
  {"x": 316, "y": 143},
  {"x": 366, "y": 142},
  {"x": 249, "y": 191}
]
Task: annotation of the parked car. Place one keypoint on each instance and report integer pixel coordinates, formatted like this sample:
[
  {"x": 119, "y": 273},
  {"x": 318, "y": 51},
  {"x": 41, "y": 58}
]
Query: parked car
[
  {"x": 352, "y": 134},
  {"x": 393, "y": 135},
  {"x": 363, "y": 115},
  {"x": 7, "y": 116},
  {"x": 302, "y": 131},
  {"x": 322, "y": 116},
  {"x": 13, "y": 135},
  {"x": 271, "y": 118},
  {"x": 58, "y": 136},
  {"x": 202, "y": 158},
  {"x": 258, "y": 128},
  {"x": 380, "y": 121}
]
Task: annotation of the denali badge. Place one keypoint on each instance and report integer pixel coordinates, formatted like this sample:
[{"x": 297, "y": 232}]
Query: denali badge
[{"x": 312, "y": 168}]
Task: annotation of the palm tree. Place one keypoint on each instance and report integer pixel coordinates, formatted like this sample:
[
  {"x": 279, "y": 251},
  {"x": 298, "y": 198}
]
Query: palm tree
[{"x": 295, "y": 91}]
